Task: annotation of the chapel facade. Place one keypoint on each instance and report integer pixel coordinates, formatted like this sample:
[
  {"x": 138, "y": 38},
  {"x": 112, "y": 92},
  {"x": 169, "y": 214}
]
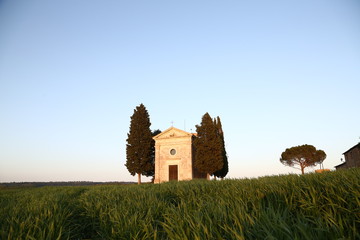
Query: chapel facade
[{"x": 174, "y": 156}]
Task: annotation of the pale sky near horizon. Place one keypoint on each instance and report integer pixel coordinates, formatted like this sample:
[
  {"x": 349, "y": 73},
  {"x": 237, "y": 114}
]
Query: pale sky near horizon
[{"x": 278, "y": 73}]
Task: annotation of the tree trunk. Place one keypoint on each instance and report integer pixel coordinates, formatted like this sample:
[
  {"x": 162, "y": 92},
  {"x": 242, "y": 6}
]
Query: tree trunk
[
  {"x": 208, "y": 176},
  {"x": 302, "y": 170},
  {"x": 215, "y": 178},
  {"x": 222, "y": 178},
  {"x": 139, "y": 178}
]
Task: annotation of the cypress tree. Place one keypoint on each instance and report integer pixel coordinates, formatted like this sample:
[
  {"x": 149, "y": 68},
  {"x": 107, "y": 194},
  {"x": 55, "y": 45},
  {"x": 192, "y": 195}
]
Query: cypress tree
[
  {"x": 208, "y": 151},
  {"x": 139, "y": 144},
  {"x": 225, "y": 169},
  {"x": 152, "y": 171}
]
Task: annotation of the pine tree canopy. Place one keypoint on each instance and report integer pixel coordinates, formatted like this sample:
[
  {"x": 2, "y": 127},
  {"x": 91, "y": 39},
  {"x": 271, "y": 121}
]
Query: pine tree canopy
[
  {"x": 303, "y": 156},
  {"x": 139, "y": 143},
  {"x": 208, "y": 147}
]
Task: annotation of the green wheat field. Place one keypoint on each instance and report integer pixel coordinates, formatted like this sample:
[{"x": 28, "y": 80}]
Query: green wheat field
[{"x": 312, "y": 206}]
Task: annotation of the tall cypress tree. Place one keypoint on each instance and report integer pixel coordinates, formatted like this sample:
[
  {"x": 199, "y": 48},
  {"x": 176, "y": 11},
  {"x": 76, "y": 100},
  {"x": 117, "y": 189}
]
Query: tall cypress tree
[
  {"x": 225, "y": 169},
  {"x": 139, "y": 144},
  {"x": 208, "y": 151}
]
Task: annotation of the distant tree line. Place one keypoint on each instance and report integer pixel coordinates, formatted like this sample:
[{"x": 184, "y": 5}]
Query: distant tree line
[
  {"x": 209, "y": 144},
  {"x": 58, "y": 184}
]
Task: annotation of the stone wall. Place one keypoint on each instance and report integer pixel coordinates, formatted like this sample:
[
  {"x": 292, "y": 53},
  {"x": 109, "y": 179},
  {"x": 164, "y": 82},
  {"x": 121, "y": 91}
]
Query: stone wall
[{"x": 352, "y": 157}]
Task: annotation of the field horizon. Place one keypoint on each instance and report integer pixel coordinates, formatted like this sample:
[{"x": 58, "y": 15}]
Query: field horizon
[{"x": 317, "y": 205}]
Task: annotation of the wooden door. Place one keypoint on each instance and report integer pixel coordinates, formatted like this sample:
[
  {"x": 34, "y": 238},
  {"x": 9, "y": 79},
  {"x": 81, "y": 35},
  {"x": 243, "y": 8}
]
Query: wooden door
[{"x": 173, "y": 172}]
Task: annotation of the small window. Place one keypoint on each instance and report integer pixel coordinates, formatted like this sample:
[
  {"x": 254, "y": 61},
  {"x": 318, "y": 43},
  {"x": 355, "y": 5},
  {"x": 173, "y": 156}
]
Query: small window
[{"x": 172, "y": 151}]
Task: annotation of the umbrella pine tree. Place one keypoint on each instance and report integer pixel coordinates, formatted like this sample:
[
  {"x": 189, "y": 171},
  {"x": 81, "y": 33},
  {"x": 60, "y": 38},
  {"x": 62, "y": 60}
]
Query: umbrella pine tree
[{"x": 303, "y": 156}]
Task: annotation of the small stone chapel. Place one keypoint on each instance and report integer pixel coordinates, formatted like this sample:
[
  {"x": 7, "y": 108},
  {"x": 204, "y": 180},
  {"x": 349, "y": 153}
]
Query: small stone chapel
[{"x": 174, "y": 156}]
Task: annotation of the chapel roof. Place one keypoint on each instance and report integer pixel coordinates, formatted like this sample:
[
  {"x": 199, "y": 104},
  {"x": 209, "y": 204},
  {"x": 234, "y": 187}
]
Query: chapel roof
[{"x": 176, "y": 131}]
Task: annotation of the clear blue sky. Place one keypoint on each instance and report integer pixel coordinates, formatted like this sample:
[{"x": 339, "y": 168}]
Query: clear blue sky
[{"x": 278, "y": 73}]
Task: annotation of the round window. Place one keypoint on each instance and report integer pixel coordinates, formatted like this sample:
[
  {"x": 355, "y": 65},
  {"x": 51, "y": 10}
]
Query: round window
[{"x": 172, "y": 151}]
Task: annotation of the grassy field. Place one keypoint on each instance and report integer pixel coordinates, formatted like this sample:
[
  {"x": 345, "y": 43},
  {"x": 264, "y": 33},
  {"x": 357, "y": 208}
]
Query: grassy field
[{"x": 313, "y": 206}]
